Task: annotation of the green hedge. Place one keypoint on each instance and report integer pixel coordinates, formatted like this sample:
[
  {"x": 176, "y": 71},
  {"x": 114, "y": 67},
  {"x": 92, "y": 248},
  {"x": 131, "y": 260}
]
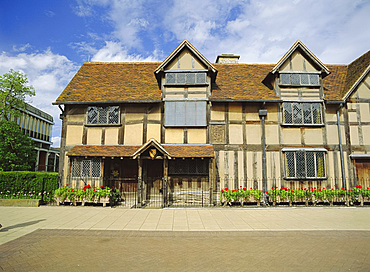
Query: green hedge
[{"x": 23, "y": 184}]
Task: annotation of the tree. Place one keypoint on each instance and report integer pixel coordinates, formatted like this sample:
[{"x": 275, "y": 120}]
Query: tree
[
  {"x": 16, "y": 149},
  {"x": 13, "y": 91}
]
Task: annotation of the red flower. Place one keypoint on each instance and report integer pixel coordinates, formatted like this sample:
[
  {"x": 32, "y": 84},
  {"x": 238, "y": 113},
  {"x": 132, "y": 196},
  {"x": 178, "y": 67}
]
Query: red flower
[
  {"x": 244, "y": 189},
  {"x": 359, "y": 186},
  {"x": 250, "y": 188},
  {"x": 84, "y": 189},
  {"x": 72, "y": 190},
  {"x": 301, "y": 188},
  {"x": 226, "y": 189},
  {"x": 67, "y": 184},
  {"x": 267, "y": 192},
  {"x": 332, "y": 189},
  {"x": 69, "y": 191},
  {"x": 112, "y": 187},
  {"x": 292, "y": 191},
  {"x": 101, "y": 187},
  {"x": 335, "y": 185},
  {"x": 323, "y": 188},
  {"x": 349, "y": 190},
  {"x": 343, "y": 188},
  {"x": 222, "y": 191},
  {"x": 281, "y": 189},
  {"x": 368, "y": 188},
  {"x": 276, "y": 187},
  {"x": 94, "y": 190},
  {"x": 234, "y": 191},
  {"x": 305, "y": 189},
  {"x": 314, "y": 188}
]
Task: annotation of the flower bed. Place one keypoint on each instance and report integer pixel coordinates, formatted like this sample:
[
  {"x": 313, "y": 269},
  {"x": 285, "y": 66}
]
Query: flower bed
[
  {"x": 87, "y": 194},
  {"x": 306, "y": 196}
]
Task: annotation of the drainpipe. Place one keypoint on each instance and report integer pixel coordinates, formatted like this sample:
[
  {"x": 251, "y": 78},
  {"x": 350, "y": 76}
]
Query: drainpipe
[
  {"x": 341, "y": 147},
  {"x": 263, "y": 113}
]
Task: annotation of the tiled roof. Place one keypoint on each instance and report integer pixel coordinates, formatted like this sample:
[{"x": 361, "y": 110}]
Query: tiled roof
[
  {"x": 96, "y": 82},
  {"x": 243, "y": 82},
  {"x": 120, "y": 82},
  {"x": 334, "y": 82},
  {"x": 176, "y": 151}
]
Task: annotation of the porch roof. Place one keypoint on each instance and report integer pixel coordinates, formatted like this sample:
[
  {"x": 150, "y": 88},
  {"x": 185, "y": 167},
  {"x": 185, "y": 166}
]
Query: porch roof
[{"x": 176, "y": 151}]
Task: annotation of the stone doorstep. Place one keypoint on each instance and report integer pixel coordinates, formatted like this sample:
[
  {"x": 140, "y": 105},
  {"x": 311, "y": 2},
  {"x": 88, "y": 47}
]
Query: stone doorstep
[{"x": 20, "y": 202}]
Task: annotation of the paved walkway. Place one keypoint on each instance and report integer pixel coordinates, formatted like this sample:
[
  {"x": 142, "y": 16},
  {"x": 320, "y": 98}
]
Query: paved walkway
[{"x": 52, "y": 238}]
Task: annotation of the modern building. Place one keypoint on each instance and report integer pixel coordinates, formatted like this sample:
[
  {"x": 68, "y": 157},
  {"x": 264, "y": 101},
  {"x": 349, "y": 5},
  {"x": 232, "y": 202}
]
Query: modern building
[
  {"x": 37, "y": 124},
  {"x": 180, "y": 130}
]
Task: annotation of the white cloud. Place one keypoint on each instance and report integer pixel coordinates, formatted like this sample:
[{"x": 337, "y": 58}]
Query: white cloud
[
  {"x": 116, "y": 52},
  {"x": 47, "y": 72}
]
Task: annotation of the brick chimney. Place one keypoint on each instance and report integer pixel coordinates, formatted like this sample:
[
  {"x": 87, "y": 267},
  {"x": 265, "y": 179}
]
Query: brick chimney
[{"x": 227, "y": 58}]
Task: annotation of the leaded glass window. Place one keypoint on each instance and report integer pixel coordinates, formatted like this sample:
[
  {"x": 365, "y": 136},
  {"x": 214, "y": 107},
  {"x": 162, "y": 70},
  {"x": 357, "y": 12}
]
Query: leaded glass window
[
  {"x": 299, "y": 79},
  {"x": 298, "y": 113},
  {"x": 90, "y": 167},
  {"x": 305, "y": 164},
  {"x": 185, "y": 113},
  {"x": 103, "y": 115},
  {"x": 188, "y": 167},
  {"x": 181, "y": 78}
]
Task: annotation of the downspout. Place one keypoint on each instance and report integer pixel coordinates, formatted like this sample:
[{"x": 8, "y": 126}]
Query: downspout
[
  {"x": 341, "y": 147},
  {"x": 263, "y": 113}
]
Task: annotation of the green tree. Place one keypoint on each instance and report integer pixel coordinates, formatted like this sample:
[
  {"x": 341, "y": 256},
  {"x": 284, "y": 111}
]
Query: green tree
[
  {"x": 13, "y": 91},
  {"x": 16, "y": 149}
]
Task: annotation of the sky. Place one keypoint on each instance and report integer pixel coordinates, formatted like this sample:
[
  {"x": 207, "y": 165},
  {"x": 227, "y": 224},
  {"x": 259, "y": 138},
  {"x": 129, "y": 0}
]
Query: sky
[{"x": 49, "y": 40}]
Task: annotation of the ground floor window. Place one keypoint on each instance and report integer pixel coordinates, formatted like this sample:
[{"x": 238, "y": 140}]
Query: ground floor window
[
  {"x": 305, "y": 163},
  {"x": 188, "y": 167},
  {"x": 89, "y": 167}
]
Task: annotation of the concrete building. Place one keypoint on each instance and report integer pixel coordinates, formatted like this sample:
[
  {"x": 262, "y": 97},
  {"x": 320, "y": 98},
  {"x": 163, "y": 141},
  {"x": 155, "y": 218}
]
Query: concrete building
[
  {"x": 37, "y": 124},
  {"x": 186, "y": 125}
]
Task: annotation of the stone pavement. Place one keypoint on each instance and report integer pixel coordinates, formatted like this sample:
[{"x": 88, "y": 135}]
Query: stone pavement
[{"x": 51, "y": 238}]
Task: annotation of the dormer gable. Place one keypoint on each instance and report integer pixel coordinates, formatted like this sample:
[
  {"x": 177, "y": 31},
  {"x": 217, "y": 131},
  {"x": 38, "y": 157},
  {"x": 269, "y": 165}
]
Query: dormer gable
[
  {"x": 186, "y": 58},
  {"x": 300, "y": 58}
]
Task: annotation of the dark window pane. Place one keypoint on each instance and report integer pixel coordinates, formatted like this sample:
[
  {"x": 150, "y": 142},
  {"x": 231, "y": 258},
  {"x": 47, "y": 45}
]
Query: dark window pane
[
  {"x": 92, "y": 115},
  {"x": 316, "y": 113},
  {"x": 314, "y": 79},
  {"x": 297, "y": 113},
  {"x": 170, "y": 78},
  {"x": 304, "y": 79},
  {"x": 300, "y": 160},
  {"x": 102, "y": 116},
  {"x": 287, "y": 109},
  {"x": 190, "y": 78},
  {"x": 181, "y": 78},
  {"x": 290, "y": 164},
  {"x": 113, "y": 115},
  {"x": 307, "y": 113},
  {"x": 201, "y": 77},
  {"x": 295, "y": 79},
  {"x": 284, "y": 78},
  {"x": 310, "y": 162}
]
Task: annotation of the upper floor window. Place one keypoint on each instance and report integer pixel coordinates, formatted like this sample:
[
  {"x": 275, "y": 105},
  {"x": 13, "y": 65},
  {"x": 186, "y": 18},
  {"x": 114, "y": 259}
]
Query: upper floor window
[
  {"x": 90, "y": 167},
  {"x": 107, "y": 115},
  {"x": 298, "y": 113},
  {"x": 299, "y": 79},
  {"x": 305, "y": 163},
  {"x": 185, "y": 113},
  {"x": 181, "y": 78}
]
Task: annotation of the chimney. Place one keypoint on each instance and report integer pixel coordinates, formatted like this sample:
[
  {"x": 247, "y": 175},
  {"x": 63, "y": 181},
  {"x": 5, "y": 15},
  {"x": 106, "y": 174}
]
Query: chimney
[{"x": 227, "y": 58}]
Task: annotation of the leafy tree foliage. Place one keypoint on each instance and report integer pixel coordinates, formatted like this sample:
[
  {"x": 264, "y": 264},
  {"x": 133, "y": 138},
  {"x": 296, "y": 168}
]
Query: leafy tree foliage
[
  {"x": 13, "y": 91},
  {"x": 16, "y": 149}
]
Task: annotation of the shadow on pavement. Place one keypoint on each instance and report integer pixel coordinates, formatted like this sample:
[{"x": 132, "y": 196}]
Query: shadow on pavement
[{"x": 21, "y": 225}]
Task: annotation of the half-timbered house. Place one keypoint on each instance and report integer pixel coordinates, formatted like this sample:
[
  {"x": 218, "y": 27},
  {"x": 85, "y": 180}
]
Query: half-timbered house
[{"x": 177, "y": 131}]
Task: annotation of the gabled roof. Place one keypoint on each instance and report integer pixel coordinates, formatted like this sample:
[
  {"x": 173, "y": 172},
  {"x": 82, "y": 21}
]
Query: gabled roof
[
  {"x": 112, "y": 82},
  {"x": 188, "y": 45},
  {"x": 150, "y": 143},
  {"x": 300, "y": 45},
  {"x": 357, "y": 70}
]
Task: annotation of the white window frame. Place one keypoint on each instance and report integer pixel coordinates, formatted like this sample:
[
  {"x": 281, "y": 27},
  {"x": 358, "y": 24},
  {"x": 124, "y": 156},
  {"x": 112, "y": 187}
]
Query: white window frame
[
  {"x": 185, "y": 113},
  {"x": 315, "y": 151}
]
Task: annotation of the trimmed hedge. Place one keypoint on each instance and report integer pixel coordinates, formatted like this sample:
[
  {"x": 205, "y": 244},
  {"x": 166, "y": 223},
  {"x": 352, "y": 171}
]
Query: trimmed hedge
[{"x": 28, "y": 185}]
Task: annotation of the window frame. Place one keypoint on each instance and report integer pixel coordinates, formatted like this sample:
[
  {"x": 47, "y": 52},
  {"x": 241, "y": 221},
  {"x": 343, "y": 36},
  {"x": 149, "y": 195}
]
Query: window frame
[
  {"x": 92, "y": 161},
  {"x": 301, "y": 103},
  {"x": 186, "y": 171},
  {"x": 313, "y": 151},
  {"x": 107, "y": 117},
  {"x": 186, "y": 73},
  {"x": 189, "y": 106},
  {"x": 300, "y": 73}
]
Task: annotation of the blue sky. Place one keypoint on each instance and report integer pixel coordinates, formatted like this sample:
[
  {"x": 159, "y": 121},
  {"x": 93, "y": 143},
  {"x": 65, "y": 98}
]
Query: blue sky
[{"x": 49, "y": 40}]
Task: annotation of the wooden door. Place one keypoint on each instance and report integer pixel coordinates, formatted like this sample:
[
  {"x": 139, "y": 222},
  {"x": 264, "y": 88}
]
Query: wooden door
[{"x": 363, "y": 173}]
